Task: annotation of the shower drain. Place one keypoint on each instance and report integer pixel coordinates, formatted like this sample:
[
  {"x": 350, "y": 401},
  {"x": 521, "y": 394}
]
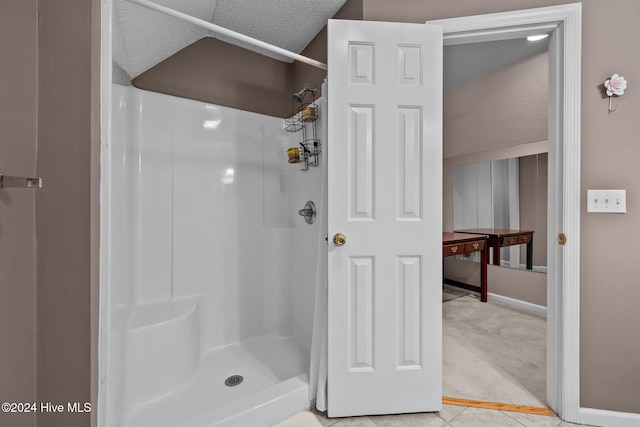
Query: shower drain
[{"x": 233, "y": 380}]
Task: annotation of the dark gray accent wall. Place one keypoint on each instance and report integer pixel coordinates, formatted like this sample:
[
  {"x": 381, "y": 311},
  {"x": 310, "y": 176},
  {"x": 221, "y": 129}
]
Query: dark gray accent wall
[
  {"x": 18, "y": 145},
  {"x": 213, "y": 71},
  {"x": 67, "y": 208}
]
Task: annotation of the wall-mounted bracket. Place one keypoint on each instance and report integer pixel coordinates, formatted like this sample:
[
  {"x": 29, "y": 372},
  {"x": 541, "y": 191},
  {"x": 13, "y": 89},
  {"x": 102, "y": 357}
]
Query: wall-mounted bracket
[{"x": 19, "y": 182}]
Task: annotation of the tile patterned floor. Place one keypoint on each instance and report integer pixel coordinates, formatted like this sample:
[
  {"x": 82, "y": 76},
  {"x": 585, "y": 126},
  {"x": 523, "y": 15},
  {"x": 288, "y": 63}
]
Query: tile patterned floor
[{"x": 449, "y": 416}]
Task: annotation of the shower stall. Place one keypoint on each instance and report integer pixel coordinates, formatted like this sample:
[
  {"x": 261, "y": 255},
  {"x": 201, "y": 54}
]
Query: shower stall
[
  {"x": 211, "y": 272},
  {"x": 214, "y": 283}
]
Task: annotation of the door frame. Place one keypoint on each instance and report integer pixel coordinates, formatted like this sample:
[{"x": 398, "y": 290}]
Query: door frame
[{"x": 564, "y": 24}]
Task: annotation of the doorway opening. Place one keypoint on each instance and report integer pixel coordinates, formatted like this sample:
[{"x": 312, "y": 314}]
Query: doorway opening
[
  {"x": 495, "y": 178},
  {"x": 563, "y": 24}
]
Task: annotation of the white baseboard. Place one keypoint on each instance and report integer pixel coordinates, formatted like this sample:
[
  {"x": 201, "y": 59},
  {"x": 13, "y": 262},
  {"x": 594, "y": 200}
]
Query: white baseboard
[
  {"x": 522, "y": 305},
  {"x": 516, "y": 303},
  {"x": 601, "y": 417},
  {"x": 536, "y": 268}
]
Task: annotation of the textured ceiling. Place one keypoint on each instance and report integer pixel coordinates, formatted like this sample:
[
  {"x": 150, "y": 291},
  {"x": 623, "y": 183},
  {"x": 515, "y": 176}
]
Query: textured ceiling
[{"x": 143, "y": 37}]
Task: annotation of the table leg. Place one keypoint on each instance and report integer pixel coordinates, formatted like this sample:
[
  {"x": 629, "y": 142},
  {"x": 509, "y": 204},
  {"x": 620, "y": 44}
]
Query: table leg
[
  {"x": 530, "y": 256},
  {"x": 495, "y": 244},
  {"x": 484, "y": 260}
]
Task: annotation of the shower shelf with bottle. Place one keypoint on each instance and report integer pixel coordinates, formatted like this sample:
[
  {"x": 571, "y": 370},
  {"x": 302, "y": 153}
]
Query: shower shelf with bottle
[{"x": 304, "y": 119}]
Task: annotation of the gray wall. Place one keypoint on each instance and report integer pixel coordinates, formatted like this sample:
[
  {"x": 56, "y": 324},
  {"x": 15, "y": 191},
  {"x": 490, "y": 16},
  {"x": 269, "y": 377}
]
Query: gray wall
[
  {"x": 213, "y": 71},
  {"x": 67, "y": 220},
  {"x": 18, "y": 144}
]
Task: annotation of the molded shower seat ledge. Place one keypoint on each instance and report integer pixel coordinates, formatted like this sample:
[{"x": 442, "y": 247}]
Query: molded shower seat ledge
[
  {"x": 155, "y": 314},
  {"x": 162, "y": 349}
]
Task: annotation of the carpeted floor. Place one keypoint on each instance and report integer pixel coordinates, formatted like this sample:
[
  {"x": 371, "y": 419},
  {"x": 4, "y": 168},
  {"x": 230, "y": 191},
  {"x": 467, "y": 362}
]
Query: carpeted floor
[{"x": 492, "y": 352}]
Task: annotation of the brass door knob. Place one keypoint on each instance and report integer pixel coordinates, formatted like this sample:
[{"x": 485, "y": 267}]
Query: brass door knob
[
  {"x": 562, "y": 239},
  {"x": 339, "y": 239}
]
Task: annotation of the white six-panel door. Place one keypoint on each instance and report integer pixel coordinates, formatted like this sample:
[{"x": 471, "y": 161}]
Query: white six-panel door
[{"x": 384, "y": 156}]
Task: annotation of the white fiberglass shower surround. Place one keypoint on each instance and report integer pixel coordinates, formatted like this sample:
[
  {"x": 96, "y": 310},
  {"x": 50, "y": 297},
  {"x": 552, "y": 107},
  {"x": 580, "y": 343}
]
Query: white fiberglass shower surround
[{"x": 212, "y": 269}]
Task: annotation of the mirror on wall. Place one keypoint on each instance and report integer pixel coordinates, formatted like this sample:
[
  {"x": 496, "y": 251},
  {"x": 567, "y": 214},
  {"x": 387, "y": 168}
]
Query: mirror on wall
[{"x": 506, "y": 194}]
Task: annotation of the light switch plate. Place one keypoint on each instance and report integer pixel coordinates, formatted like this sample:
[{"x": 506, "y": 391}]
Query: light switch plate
[{"x": 607, "y": 201}]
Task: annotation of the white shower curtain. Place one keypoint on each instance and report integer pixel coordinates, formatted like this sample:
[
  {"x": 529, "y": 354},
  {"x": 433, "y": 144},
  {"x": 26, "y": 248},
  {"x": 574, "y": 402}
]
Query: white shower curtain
[{"x": 318, "y": 368}]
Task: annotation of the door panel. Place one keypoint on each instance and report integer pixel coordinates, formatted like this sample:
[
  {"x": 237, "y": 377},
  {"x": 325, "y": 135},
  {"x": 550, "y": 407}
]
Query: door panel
[{"x": 385, "y": 194}]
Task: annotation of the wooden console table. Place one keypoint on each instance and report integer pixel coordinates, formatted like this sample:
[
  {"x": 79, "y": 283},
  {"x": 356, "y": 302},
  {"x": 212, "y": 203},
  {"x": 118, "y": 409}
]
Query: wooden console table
[
  {"x": 460, "y": 243},
  {"x": 500, "y": 237}
]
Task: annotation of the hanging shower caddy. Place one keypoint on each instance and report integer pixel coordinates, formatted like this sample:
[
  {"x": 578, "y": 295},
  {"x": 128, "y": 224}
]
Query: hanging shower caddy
[{"x": 304, "y": 119}]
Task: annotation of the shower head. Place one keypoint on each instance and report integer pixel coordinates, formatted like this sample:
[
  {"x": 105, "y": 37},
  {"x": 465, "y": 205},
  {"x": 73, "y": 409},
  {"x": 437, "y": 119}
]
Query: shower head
[{"x": 299, "y": 96}]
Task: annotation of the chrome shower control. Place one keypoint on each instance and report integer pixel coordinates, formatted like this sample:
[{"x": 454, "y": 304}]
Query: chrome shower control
[{"x": 309, "y": 212}]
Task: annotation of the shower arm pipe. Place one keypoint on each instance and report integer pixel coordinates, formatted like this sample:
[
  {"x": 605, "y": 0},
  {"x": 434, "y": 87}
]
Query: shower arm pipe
[{"x": 218, "y": 30}]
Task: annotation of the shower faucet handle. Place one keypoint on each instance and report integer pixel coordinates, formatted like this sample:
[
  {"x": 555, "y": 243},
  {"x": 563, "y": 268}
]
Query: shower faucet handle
[{"x": 308, "y": 212}]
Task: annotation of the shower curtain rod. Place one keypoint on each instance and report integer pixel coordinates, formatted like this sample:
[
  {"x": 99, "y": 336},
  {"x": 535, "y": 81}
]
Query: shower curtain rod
[{"x": 218, "y": 30}]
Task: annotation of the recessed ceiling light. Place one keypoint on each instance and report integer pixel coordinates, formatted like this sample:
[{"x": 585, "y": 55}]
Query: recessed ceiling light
[{"x": 537, "y": 37}]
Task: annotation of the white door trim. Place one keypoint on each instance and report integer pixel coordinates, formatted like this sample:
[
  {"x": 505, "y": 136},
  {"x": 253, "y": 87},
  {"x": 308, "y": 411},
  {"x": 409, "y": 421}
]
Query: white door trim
[
  {"x": 564, "y": 23},
  {"x": 104, "y": 405}
]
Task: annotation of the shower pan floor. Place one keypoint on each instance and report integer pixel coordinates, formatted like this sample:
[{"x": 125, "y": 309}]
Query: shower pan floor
[{"x": 263, "y": 362}]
